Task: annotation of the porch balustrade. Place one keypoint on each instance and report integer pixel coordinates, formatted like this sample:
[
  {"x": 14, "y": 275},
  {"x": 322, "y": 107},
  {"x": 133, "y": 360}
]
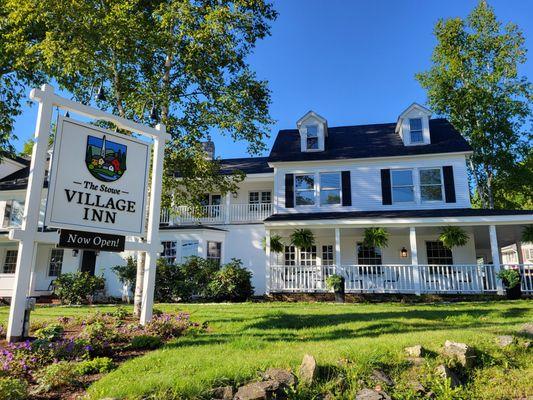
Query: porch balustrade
[
  {"x": 459, "y": 279},
  {"x": 217, "y": 214}
]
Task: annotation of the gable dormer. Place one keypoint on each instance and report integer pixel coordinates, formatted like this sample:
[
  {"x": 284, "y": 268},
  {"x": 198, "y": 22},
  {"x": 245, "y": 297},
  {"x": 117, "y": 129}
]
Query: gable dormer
[
  {"x": 313, "y": 131},
  {"x": 413, "y": 125}
]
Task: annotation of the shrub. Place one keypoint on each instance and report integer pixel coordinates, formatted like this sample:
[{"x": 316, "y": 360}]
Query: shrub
[
  {"x": 334, "y": 282},
  {"x": 58, "y": 375},
  {"x": 98, "y": 365},
  {"x": 100, "y": 336},
  {"x": 120, "y": 313},
  {"x": 51, "y": 332},
  {"x": 13, "y": 389},
  {"x": 509, "y": 277},
  {"x": 232, "y": 283},
  {"x": 75, "y": 288},
  {"x": 167, "y": 326},
  {"x": 145, "y": 342}
]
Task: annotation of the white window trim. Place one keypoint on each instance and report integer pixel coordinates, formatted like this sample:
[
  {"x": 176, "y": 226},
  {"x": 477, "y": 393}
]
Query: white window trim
[
  {"x": 315, "y": 185},
  {"x": 415, "y": 194},
  {"x": 441, "y": 185},
  {"x": 320, "y": 189},
  {"x": 260, "y": 196},
  {"x": 421, "y": 131},
  {"x": 426, "y": 252},
  {"x": 307, "y": 149},
  {"x": 317, "y": 188},
  {"x": 50, "y": 262}
]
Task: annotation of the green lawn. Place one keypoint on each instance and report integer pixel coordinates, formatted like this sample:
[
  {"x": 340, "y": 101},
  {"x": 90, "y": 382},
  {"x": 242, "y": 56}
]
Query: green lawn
[{"x": 246, "y": 338}]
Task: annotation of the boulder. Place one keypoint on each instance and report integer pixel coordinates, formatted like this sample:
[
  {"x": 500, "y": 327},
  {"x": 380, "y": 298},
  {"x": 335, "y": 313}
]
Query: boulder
[
  {"x": 282, "y": 376},
  {"x": 446, "y": 373},
  {"x": 381, "y": 376},
  {"x": 369, "y": 394},
  {"x": 263, "y": 390},
  {"x": 527, "y": 329},
  {"x": 461, "y": 352},
  {"x": 415, "y": 351},
  {"x": 222, "y": 393},
  {"x": 505, "y": 340},
  {"x": 308, "y": 369}
]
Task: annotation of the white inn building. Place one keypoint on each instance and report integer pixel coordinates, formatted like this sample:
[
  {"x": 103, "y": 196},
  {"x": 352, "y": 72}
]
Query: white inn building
[{"x": 409, "y": 177}]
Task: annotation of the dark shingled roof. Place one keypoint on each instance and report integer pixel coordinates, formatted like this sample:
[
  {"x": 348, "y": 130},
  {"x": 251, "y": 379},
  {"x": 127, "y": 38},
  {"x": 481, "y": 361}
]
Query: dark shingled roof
[
  {"x": 249, "y": 165},
  {"x": 17, "y": 180},
  {"x": 450, "y": 212},
  {"x": 365, "y": 141}
]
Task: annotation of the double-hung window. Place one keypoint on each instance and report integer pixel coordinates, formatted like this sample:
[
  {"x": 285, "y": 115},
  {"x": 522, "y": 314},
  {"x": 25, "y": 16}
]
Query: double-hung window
[
  {"x": 10, "y": 262},
  {"x": 312, "y": 137},
  {"x": 304, "y": 192},
  {"x": 402, "y": 186},
  {"x": 330, "y": 188},
  {"x": 431, "y": 184},
  {"x": 214, "y": 251},
  {"x": 256, "y": 198},
  {"x": 56, "y": 262},
  {"x": 169, "y": 251},
  {"x": 289, "y": 255},
  {"x": 308, "y": 256},
  {"x": 327, "y": 254},
  {"x": 415, "y": 130},
  {"x": 189, "y": 248}
]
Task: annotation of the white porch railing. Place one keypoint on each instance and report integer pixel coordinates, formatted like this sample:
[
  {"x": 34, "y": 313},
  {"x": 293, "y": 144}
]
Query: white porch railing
[
  {"x": 458, "y": 279},
  {"x": 218, "y": 214}
]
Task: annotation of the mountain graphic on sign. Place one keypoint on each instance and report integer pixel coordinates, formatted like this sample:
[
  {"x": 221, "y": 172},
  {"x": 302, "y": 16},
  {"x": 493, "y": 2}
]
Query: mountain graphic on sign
[{"x": 106, "y": 160}]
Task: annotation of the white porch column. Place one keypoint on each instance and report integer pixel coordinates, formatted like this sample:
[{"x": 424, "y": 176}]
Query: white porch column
[
  {"x": 338, "y": 262},
  {"x": 227, "y": 211},
  {"x": 267, "y": 252},
  {"x": 495, "y": 252},
  {"x": 414, "y": 260},
  {"x": 519, "y": 252}
]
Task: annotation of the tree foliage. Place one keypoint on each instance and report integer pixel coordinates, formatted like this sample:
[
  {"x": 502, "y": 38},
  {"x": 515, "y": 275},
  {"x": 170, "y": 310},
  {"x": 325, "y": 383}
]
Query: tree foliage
[{"x": 474, "y": 82}]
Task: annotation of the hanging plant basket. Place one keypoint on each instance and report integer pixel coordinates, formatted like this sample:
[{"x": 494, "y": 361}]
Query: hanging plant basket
[
  {"x": 303, "y": 238},
  {"x": 453, "y": 236},
  {"x": 376, "y": 237},
  {"x": 276, "y": 244},
  {"x": 527, "y": 234}
]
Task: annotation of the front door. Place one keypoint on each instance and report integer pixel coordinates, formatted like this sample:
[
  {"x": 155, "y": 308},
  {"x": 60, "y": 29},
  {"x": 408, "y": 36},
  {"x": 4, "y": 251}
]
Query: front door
[{"x": 88, "y": 261}]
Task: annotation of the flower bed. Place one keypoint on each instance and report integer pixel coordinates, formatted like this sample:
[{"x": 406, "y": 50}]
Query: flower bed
[{"x": 65, "y": 357}]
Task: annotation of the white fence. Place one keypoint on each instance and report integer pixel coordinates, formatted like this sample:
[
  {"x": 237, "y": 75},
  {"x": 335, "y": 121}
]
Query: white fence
[
  {"x": 217, "y": 214},
  {"x": 466, "y": 279}
]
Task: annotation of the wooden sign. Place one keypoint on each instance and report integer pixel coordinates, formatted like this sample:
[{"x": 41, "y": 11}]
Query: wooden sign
[{"x": 91, "y": 241}]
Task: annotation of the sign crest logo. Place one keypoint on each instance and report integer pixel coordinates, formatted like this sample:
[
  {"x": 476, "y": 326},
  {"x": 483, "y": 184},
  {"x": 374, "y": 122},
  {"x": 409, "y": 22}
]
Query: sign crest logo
[{"x": 105, "y": 160}]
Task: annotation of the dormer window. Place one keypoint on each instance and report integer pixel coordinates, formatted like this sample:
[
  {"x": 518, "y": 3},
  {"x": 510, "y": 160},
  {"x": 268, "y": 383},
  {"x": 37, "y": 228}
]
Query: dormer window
[
  {"x": 312, "y": 137},
  {"x": 415, "y": 130}
]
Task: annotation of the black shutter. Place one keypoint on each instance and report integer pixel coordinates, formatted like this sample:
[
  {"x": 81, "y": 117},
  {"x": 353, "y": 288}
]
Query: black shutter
[
  {"x": 289, "y": 190},
  {"x": 449, "y": 184},
  {"x": 346, "y": 188},
  {"x": 386, "y": 194}
]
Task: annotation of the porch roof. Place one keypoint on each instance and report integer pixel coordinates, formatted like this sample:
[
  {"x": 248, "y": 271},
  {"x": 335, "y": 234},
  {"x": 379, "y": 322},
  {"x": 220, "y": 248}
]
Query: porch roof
[{"x": 452, "y": 215}]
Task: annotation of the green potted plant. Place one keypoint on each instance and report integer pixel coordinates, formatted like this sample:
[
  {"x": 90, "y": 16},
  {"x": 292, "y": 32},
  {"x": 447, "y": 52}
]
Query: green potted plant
[
  {"x": 336, "y": 283},
  {"x": 376, "y": 237},
  {"x": 276, "y": 244},
  {"x": 303, "y": 238},
  {"x": 453, "y": 236},
  {"x": 527, "y": 234},
  {"x": 511, "y": 280}
]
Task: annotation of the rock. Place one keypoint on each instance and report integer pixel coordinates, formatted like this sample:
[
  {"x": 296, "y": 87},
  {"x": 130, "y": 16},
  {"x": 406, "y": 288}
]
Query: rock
[
  {"x": 282, "y": 376},
  {"x": 526, "y": 344},
  {"x": 505, "y": 340},
  {"x": 461, "y": 352},
  {"x": 415, "y": 351},
  {"x": 257, "y": 390},
  {"x": 381, "y": 376},
  {"x": 527, "y": 329},
  {"x": 222, "y": 393},
  {"x": 369, "y": 394},
  {"x": 308, "y": 369},
  {"x": 446, "y": 373},
  {"x": 416, "y": 360}
]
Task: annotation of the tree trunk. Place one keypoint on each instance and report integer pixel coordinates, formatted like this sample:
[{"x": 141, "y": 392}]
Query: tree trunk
[
  {"x": 137, "y": 299},
  {"x": 490, "y": 194},
  {"x": 480, "y": 190}
]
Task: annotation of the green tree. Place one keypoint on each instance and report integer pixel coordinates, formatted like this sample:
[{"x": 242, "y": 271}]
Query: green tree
[{"x": 474, "y": 82}]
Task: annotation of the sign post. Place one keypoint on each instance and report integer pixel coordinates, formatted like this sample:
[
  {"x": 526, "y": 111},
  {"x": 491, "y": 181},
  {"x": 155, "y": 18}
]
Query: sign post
[{"x": 95, "y": 196}]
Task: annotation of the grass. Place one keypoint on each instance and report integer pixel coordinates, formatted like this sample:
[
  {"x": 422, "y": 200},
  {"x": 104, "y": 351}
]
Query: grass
[{"x": 246, "y": 338}]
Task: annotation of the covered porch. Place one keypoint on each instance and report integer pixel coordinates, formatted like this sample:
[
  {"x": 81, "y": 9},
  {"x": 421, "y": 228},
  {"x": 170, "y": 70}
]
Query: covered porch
[{"x": 414, "y": 261}]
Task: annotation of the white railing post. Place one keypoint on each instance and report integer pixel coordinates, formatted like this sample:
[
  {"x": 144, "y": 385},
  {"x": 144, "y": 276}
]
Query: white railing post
[
  {"x": 227, "y": 211},
  {"x": 338, "y": 250},
  {"x": 414, "y": 261},
  {"x": 267, "y": 251},
  {"x": 495, "y": 251}
]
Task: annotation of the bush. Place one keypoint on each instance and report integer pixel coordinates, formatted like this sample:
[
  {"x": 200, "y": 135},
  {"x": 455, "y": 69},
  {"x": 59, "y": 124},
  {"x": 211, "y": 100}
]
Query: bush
[
  {"x": 75, "y": 288},
  {"x": 58, "y": 375},
  {"x": 509, "y": 277},
  {"x": 168, "y": 326},
  {"x": 13, "y": 389},
  {"x": 232, "y": 283},
  {"x": 334, "y": 282},
  {"x": 98, "y": 365},
  {"x": 145, "y": 342},
  {"x": 100, "y": 336},
  {"x": 51, "y": 332}
]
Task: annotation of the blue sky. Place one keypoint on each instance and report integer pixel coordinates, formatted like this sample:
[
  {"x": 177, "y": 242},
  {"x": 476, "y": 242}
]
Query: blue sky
[{"x": 352, "y": 61}]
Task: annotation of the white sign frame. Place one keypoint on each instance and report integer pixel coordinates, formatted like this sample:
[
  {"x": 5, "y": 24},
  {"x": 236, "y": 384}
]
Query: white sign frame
[{"x": 55, "y": 221}]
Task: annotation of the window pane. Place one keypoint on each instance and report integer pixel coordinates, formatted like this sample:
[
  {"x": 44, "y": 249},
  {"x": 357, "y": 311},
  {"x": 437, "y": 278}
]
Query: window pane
[
  {"x": 312, "y": 143},
  {"x": 369, "y": 256},
  {"x": 430, "y": 176},
  {"x": 305, "y": 198},
  {"x": 330, "y": 196},
  {"x": 305, "y": 182},
  {"x": 189, "y": 248},
  {"x": 402, "y": 177},
  {"x": 416, "y": 137},
  {"x": 254, "y": 197},
  {"x": 56, "y": 262},
  {"x": 437, "y": 254},
  {"x": 330, "y": 181},
  {"x": 415, "y": 124},
  {"x": 10, "y": 262},
  {"x": 312, "y": 131},
  {"x": 289, "y": 255},
  {"x": 265, "y": 197},
  {"x": 403, "y": 194},
  {"x": 431, "y": 193}
]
